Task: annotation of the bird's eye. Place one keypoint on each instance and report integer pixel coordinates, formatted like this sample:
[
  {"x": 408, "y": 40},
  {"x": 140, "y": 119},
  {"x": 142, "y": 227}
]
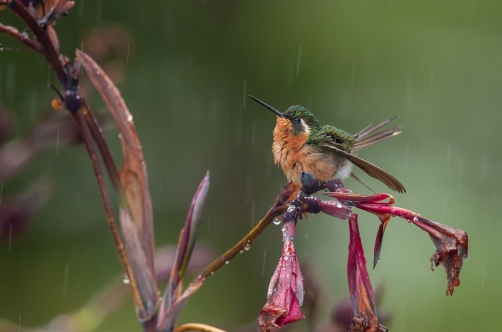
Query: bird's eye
[
  {"x": 297, "y": 120},
  {"x": 338, "y": 140}
]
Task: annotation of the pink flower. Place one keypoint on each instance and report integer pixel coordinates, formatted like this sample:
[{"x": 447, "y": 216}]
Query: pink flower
[{"x": 285, "y": 292}]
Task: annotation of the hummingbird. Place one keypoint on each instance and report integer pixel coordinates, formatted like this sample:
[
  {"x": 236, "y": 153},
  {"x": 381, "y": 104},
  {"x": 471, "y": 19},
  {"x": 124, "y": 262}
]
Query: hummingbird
[{"x": 301, "y": 144}]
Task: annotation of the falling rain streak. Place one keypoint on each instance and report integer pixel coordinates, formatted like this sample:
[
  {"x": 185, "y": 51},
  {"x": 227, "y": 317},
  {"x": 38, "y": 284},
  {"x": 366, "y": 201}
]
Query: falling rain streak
[
  {"x": 81, "y": 9},
  {"x": 57, "y": 142},
  {"x": 263, "y": 265},
  {"x": 353, "y": 72},
  {"x": 127, "y": 57},
  {"x": 299, "y": 59}
]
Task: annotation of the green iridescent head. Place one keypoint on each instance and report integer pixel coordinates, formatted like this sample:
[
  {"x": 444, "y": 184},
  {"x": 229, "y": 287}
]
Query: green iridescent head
[{"x": 301, "y": 119}]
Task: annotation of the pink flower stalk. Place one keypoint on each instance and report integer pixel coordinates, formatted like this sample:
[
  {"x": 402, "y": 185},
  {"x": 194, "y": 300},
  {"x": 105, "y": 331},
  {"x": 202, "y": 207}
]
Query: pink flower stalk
[
  {"x": 285, "y": 292},
  {"x": 451, "y": 244},
  {"x": 361, "y": 292}
]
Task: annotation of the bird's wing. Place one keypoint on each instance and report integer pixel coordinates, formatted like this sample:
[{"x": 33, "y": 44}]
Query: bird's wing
[{"x": 331, "y": 139}]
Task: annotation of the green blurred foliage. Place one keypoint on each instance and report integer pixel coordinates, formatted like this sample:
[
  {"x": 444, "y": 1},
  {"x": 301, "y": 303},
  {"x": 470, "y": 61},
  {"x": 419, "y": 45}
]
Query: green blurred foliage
[{"x": 436, "y": 64}]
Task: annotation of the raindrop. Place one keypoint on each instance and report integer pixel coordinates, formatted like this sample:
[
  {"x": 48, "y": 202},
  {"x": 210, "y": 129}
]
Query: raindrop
[
  {"x": 127, "y": 58},
  {"x": 199, "y": 277},
  {"x": 353, "y": 72},
  {"x": 240, "y": 252},
  {"x": 263, "y": 265},
  {"x": 209, "y": 223},
  {"x": 415, "y": 219},
  {"x": 247, "y": 247},
  {"x": 212, "y": 272},
  {"x": 227, "y": 262},
  {"x": 448, "y": 155},
  {"x": 277, "y": 221},
  {"x": 299, "y": 58},
  {"x": 306, "y": 236},
  {"x": 57, "y": 142},
  {"x": 1, "y": 47},
  {"x": 126, "y": 279},
  {"x": 81, "y": 9},
  {"x": 98, "y": 72},
  {"x": 409, "y": 90}
]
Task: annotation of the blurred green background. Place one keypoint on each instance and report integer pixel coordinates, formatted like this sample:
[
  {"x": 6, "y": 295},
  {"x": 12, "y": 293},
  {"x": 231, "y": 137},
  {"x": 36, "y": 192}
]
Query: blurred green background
[{"x": 435, "y": 64}]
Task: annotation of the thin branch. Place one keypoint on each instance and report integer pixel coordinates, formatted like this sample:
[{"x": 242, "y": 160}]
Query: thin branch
[
  {"x": 97, "y": 134},
  {"x": 110, "y": 217},
  {"x": 242, "y": 244},
  {"x": 197, "y": 327},
  {"x": 14, "y": 33}
]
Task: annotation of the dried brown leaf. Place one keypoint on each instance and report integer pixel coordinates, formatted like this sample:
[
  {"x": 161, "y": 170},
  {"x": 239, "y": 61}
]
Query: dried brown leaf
[{"x": 133, "y": 174}]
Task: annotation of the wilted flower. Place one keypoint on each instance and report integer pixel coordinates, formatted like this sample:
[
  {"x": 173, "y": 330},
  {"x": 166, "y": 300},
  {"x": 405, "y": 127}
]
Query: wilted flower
[{"x": 285, "y": 291}]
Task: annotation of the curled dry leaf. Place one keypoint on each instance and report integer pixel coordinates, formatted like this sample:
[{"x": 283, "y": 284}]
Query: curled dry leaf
[
  {"x": 133, "y": 174},
  {"x": 451, "y": 249},
  {"x": 143, "y": 275}
]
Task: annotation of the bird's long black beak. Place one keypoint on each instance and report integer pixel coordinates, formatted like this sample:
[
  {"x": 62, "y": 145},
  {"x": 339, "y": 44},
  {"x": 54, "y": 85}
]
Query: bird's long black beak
[{"x": 267, "y": 106}]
